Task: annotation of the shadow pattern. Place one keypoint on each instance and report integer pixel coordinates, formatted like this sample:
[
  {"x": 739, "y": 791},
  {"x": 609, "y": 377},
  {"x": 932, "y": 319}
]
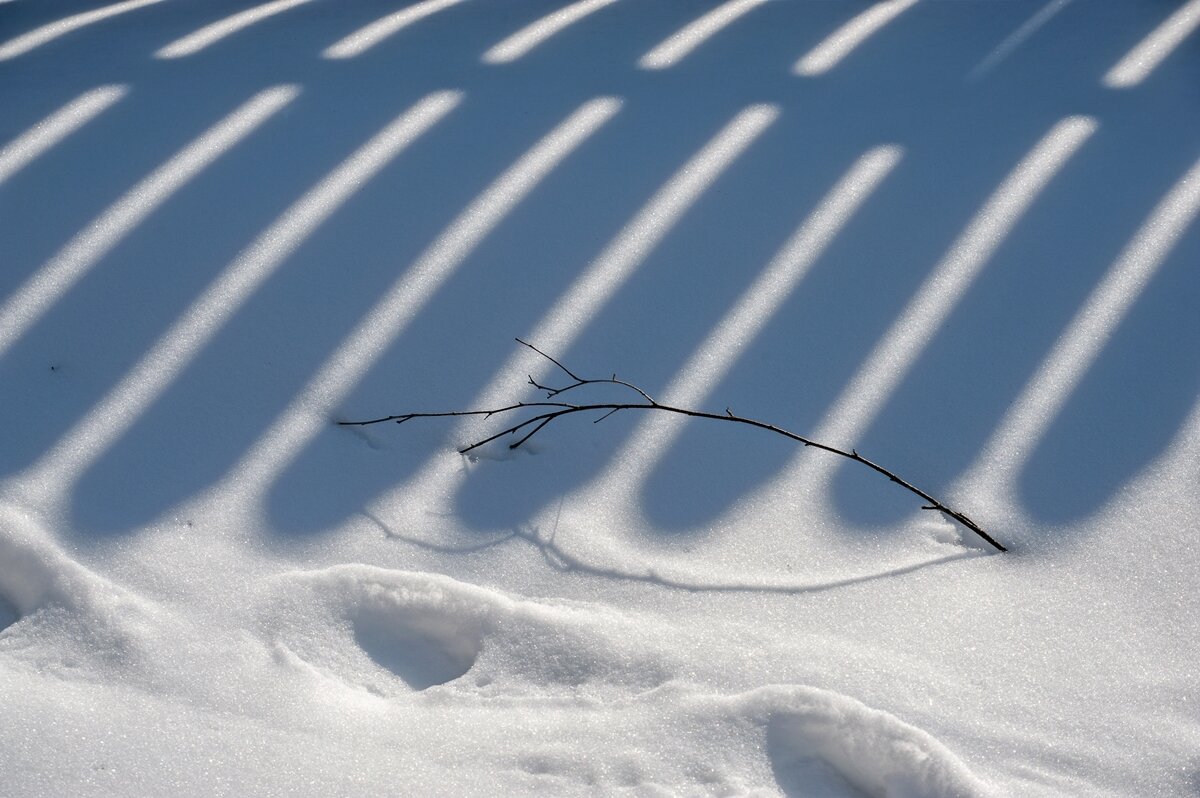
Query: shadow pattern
[{"x": 906, "y": 85}]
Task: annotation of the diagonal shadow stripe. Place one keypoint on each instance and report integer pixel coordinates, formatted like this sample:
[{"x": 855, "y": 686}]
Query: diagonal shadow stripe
[
  {"x": 42, "y": 137},
  {"x": 602, "y": 278},
  {"x": 538, "y": 31},
  {"x": 223, "y": 28},
  {"x": 38, "y": 294},
  {"x": 679, "y": 45},
  {"x": 384, "y": 28},
  {"x": 1144, "y": 58},
  {"x": 826, "y": 55},
  {"x": 54, "y": 30},
  {"x": 718, "y": 352},
  {"x": 166, "y": 359},
  {"x": 309, "y": 413},
  {"x": 1048, "y": 391}
]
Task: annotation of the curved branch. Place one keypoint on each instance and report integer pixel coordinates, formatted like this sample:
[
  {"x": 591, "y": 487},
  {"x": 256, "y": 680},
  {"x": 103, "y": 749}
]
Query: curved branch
[{"x": 557, "y": 410}]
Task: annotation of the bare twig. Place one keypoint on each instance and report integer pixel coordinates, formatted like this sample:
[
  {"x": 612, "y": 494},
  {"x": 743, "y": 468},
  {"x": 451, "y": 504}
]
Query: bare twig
[
  {"x": 579, "y": 381},
  {"x": 548, "y": 411}
]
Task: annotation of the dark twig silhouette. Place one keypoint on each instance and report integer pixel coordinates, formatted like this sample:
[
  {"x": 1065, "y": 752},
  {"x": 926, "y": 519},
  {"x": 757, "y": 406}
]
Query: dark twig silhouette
[{"x": 548, "y": 411}]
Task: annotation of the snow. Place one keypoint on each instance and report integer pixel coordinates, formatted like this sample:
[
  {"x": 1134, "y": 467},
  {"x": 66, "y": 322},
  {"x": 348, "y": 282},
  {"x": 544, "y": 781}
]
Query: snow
[{"x": 959, "y": 237}]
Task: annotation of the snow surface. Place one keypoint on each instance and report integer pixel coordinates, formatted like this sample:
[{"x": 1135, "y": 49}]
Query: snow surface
[{"x": 959, "y": 236}]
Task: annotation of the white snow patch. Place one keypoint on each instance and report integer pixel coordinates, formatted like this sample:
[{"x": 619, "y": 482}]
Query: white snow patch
[
  {"x": 390, "y": 632},
  {"x": 60, "y": 616},
  {"x": 875, "y": 751}
]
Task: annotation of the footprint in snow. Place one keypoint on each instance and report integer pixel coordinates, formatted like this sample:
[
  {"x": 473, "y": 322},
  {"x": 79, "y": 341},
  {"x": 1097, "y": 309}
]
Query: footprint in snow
[
  {"x": 423, "y": 651},
  {"x": 389, "y": 632},
  {"x": 800, "y": 772},
  {"x": 824, "y": 743},
  {"x": 8, "y": 615},
  {"x": 427, "y": 630}
]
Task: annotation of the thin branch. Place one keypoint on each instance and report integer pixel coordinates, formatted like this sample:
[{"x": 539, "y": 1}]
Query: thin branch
[
  {"x": 511, "y": 430},
  {"x": 606, "y": 415},
  {"x": 579, "y": 381},
  {"x": 566, "y": 370},
  {"x": 557, "y": 410},
  {"x": 549, "y": 417}
]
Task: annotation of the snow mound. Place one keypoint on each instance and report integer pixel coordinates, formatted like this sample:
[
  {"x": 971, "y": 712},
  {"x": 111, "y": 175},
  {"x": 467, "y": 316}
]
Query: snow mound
[
  {"x": 421, "y": 630},
  {"x": 36, "y": 573},
  {"x": 45, "y": 596},
  {"x": 386, "y": 636},
  {"x": 875, "y": 751}
]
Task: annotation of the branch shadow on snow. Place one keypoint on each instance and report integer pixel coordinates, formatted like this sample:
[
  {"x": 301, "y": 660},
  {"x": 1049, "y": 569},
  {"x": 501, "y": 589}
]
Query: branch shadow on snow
[{"x": 561, "y": 560}]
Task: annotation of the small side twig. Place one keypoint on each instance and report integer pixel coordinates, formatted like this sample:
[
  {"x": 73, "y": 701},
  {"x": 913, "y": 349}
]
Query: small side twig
[
  {"x": 578, "y": 381},
  {"x": 549, "y": 411}
]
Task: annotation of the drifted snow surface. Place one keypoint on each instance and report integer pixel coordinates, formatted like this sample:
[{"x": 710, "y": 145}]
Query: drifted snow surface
[{"x": 958, "y": 236}]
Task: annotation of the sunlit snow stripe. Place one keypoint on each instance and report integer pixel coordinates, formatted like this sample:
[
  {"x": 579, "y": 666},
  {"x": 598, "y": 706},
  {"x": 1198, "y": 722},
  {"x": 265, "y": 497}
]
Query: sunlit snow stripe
[
  {"x": 48, "y": 33},
  {"x": 680, "y": 44},
  {"x": 31, "y": 144},
  {"x": 1028, "y": 418},
  {"x": 826, "y": 55},
  {"x": 20, "y": 311},
  {"x": 167, "y": 358},
  {"x": 211, "y": 34},
  {"x": 529, "y": 37},
  {"x": 899, "y": 348},
  {"x": 342, "y": 371},
  {"x": 1017, "y": 38},
  {"x": 589, "y": 293},
  {"x": 1154, "y": 49},
  {"x": 1186, "y": 448},
  {"x": 370, "y": 35},
  {"x": 719, "y": 351}
]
